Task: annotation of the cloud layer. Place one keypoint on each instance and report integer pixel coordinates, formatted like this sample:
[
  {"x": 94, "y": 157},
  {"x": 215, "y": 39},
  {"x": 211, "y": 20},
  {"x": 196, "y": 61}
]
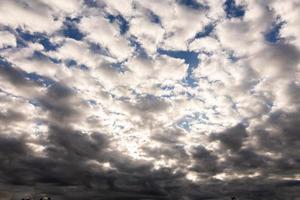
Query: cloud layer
[{"x": 149, "y": 100}]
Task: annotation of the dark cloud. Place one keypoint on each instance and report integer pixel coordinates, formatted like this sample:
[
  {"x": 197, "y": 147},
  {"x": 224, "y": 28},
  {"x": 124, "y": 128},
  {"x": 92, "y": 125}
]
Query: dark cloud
[
  {"x": 231, "y": 138},
  {"x": 60, "y": 102},
  {"x": 66, "y": 166},
  {"x": 285, "y": 54},
  {"x": 246, "y": 161},
  {"x": 66, "y": 142},
  {"x": 20, "y": 79},
  {"x": 205, "y": 161},
  {"x": 11, "y": 115},
  {"x": 13, "y": 75},
  {"x": 280, "y": 136},
  {"x": 71, "y": 167},
  {"x": 169, "y": 151},
  {"x": 169, "y": 136}
]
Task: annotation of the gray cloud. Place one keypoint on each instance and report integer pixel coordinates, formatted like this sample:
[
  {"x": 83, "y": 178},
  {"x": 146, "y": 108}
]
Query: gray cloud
[{"x": 232, "y": 138}]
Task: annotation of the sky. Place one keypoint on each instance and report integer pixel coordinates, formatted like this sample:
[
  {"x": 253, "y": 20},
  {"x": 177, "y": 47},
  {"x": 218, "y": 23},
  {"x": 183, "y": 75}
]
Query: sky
[{"x": 150, "y": 100}]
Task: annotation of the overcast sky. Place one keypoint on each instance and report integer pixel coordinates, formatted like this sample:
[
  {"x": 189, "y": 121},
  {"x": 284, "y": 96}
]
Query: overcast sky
[{"x": 150, "y": 99}]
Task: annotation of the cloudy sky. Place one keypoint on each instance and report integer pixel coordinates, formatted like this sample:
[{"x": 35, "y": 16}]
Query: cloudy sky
[{"x": 150, "y": 99}]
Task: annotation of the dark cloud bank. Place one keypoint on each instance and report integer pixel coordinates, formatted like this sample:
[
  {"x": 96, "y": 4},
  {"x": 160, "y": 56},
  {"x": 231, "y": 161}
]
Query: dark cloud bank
[{"x": 68, "y": 169}]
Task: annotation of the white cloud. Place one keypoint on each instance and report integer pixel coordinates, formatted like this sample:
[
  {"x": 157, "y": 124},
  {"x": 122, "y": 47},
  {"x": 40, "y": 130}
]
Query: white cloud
[
  {"x": 70, "y": 7},
  {"x": 207, "y": 44},
  {"x": 107, "y": 36},
  {"x": 31, "y": 15},
  {"x": 7, "y": 39},
  {"x": 160, "y": 68},
  {"x": 289, "y": 13},
  {"x": 149, "y": 34}
]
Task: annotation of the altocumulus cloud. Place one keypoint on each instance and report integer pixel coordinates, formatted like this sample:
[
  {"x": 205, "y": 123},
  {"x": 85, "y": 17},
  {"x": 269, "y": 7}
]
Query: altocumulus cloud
[{"x": 150, "y": 100}]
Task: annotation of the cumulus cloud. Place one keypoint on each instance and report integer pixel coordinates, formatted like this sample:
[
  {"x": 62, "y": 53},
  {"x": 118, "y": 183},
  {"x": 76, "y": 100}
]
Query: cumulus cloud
[
  {"x": 21, "y": 14},
  {"x": 169, "y": 99},
  {"x": 7, "y": 39}
]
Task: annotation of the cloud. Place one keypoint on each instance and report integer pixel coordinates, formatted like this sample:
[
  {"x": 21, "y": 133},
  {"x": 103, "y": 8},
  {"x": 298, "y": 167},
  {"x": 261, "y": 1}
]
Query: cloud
[
  {"x": 20, "y": 14},
  {"x": 149, "y": 99},
  {"x": 7, "y": 39},
  {"x": 232, "y": 138},
  {"x": 108, "y": 36}
]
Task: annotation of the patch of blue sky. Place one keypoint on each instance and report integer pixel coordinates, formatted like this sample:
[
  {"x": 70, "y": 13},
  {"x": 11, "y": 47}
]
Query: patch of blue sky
[
  {"x": 190, "y": 58},
  {"x": 195, "y": 118},
  {"x": 185, "y": 124},
  {"x": 73, "y": 64},
  {"x": 167, "y": 96},
  {"x": 123, "y": 23},
  {"x": 138, "y": 48},
  {"x": 70, "y": 63},
  {"x": 45, "y": 81},
  {"x": 54, "y": 60},
  {"x": 154, "y": 18},
  {"x": 232, "y": 56},
  {"x": 70, "y": 29},
  {"x": 119, "y": 66},
  {"x": 273, "y": 35},
  {"x": 167, "y": 87},
  {"x": 35, "y": 102},
  {"x": 41, "y": 56},
  {"x": 193, "y": 4},
  {"x": 168, "y": 91},
  {"x": 208, "y": 29},
  {"x": 98, "y": 49},
  {"x": 233, "y": 104},
  {"x": 36, "y": 37},
  {"x": 232, "y": 10}
]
